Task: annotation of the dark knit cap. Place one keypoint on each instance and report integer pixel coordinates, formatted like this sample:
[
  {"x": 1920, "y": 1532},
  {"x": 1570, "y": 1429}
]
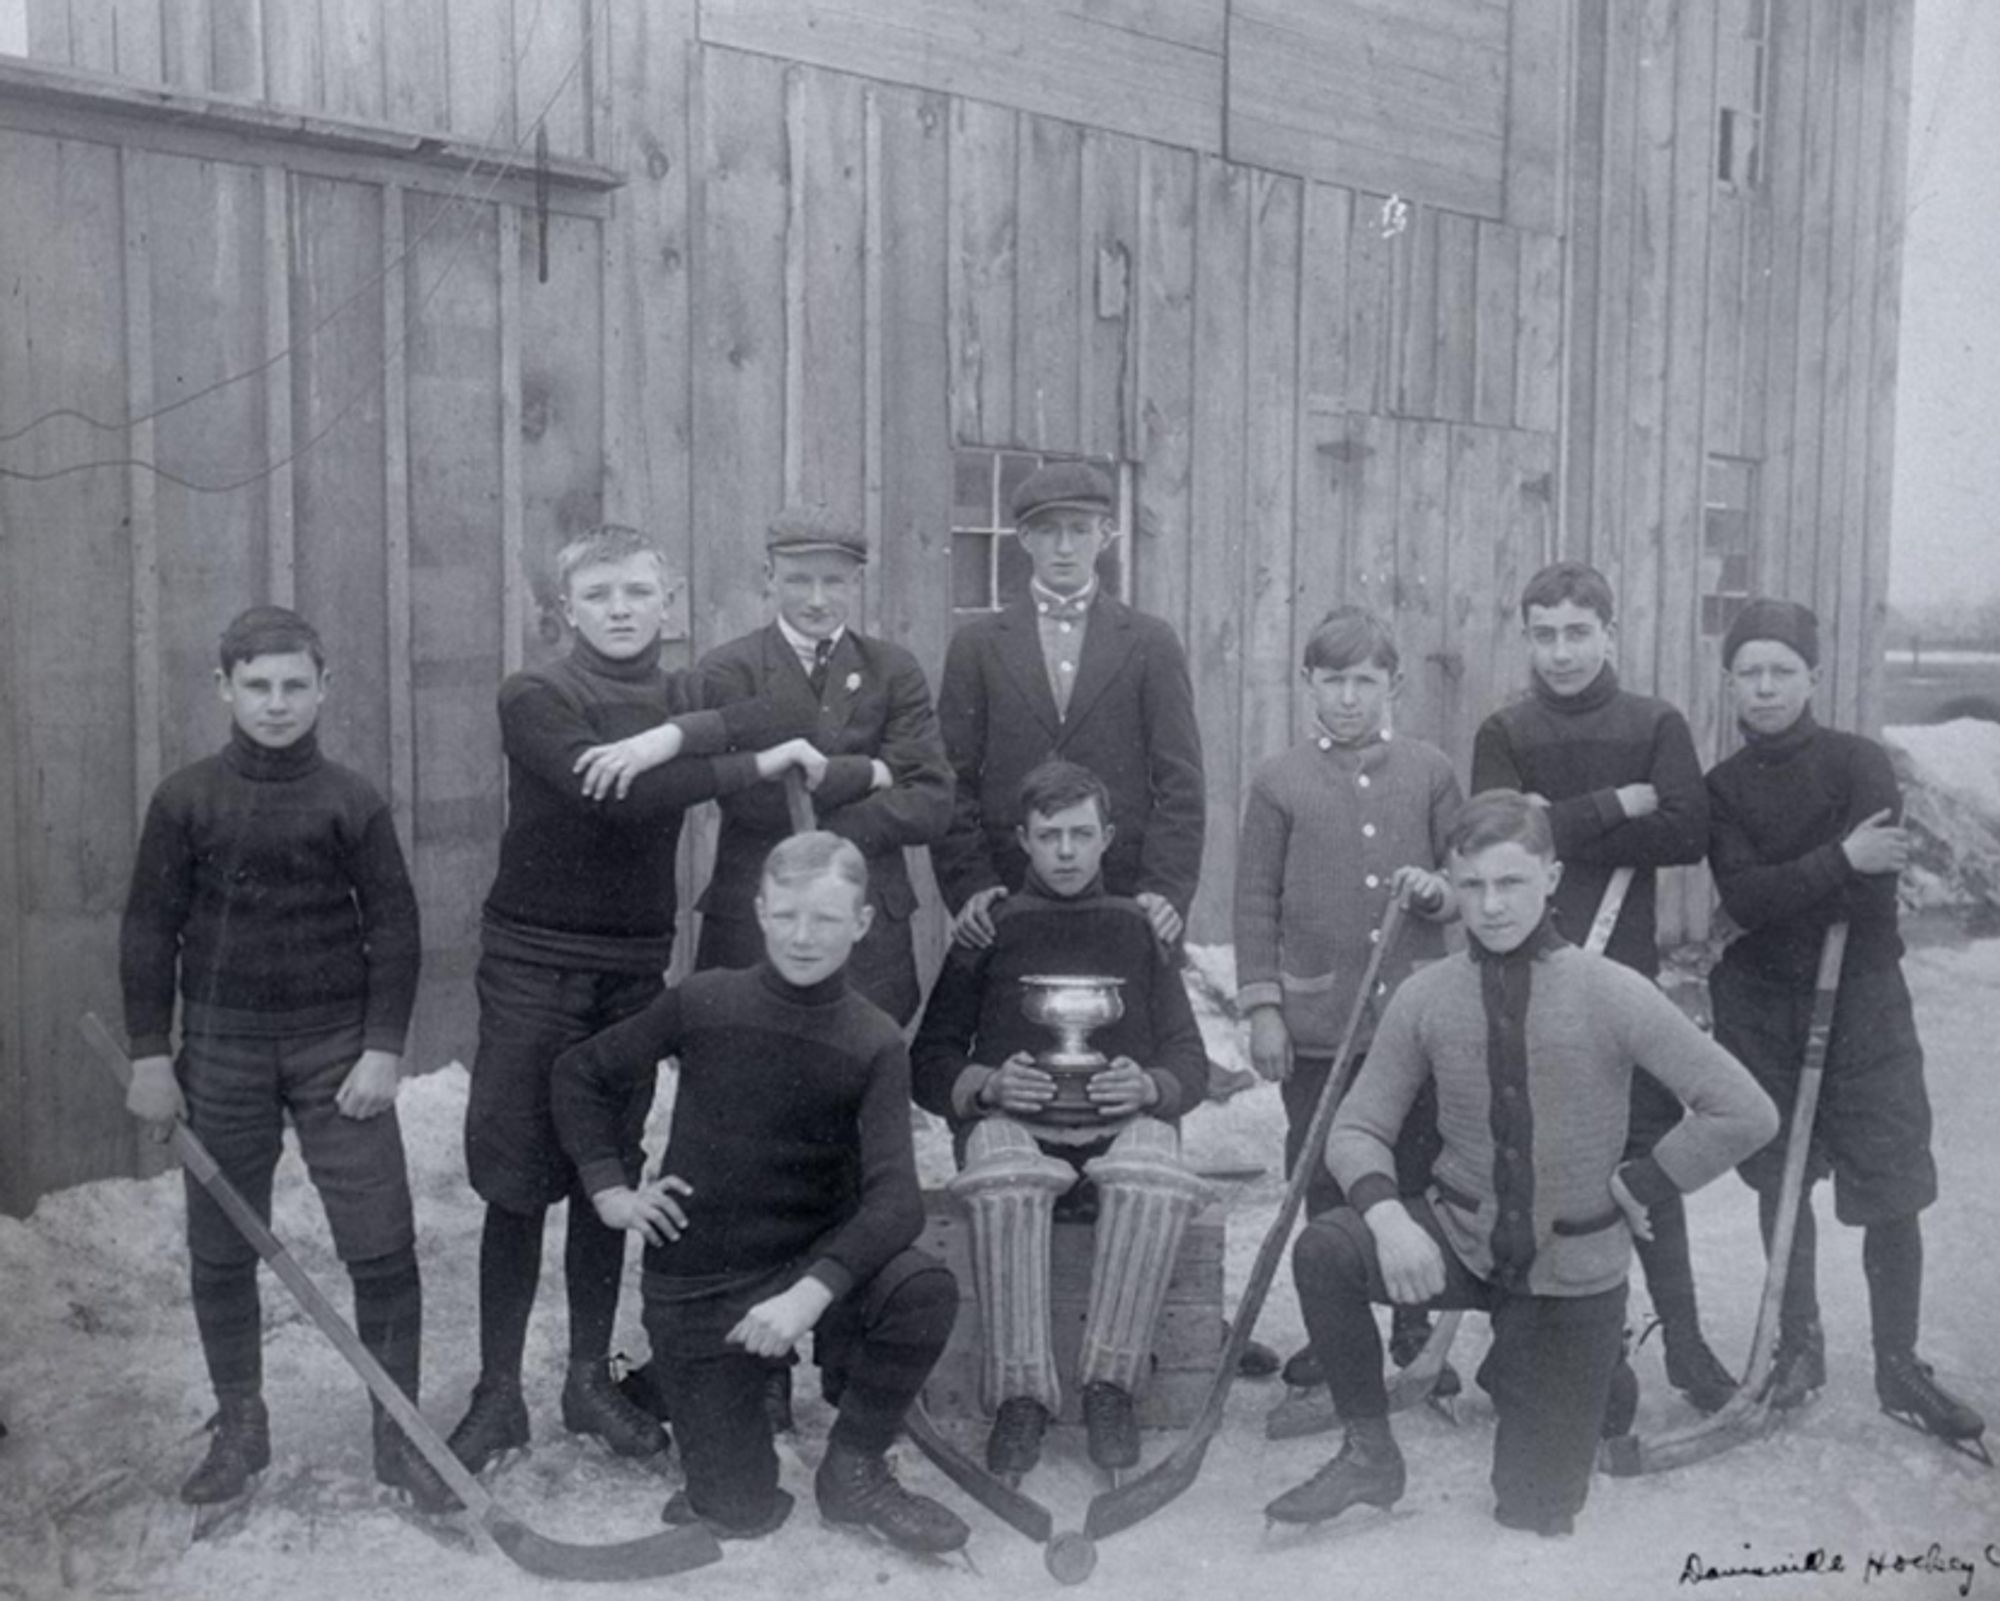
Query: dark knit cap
[
  {"x": 1786, "y": 621},
  {"x": 798, "y": 529},
  {"x": 1058, "y": 485}
]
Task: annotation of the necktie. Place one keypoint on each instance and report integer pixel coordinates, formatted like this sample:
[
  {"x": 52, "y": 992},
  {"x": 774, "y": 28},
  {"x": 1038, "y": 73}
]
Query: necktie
[{"x": 822, "y": 651}]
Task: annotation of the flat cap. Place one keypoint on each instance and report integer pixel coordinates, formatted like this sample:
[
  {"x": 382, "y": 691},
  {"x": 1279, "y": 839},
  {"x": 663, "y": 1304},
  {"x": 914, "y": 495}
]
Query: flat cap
[
  {"x": 1058, "y": 485},
  {"x": 799, "y": 529}
]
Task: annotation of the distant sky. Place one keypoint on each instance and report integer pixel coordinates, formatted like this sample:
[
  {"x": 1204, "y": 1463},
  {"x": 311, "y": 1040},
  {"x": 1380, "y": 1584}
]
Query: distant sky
[{"x": 1945, "y": 533}]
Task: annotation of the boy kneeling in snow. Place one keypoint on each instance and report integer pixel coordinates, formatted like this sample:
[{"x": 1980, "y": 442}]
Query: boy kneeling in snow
[
  {"x": 788, "y": 1204},
  {"x": 1530, "y": 1213}
]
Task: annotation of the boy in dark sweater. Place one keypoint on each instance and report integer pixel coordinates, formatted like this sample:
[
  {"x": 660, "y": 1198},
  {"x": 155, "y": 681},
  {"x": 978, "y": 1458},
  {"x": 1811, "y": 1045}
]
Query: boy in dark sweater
[
  {"x": 1622, "y": 782},
  {"x": 577, "y": 930},
  {"x": 1804, "y": 834},
  {"x": 1532, "y": 1045},
  {"x": 788, "y": 1205},
  {"x": 1020, "y": 1145},
  {"x": 269, "y": 882}
]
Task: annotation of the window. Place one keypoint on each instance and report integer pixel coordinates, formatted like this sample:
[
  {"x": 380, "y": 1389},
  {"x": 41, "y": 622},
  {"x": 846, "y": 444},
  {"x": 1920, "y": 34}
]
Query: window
[
  {"x": 989, "y": 569},
  {"x": 1739, "y": 128},
  {"x": 1728, "y": 544}
]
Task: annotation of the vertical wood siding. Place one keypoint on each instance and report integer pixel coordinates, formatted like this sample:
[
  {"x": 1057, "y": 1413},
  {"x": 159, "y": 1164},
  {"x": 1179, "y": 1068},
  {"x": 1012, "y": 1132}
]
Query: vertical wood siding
[{"x": 821, "y": 278}]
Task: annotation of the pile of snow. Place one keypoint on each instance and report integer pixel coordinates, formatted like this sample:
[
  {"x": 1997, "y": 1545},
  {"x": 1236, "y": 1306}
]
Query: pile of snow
[{"x": 1950, "y": 773}]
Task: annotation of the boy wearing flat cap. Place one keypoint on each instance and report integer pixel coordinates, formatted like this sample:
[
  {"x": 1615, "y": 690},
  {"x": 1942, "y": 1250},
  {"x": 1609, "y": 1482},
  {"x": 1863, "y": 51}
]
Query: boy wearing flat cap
[
  {"x": 1073, "y": 672},
  {"x": 1804, "y": 832},
  {"x": 886, "y": 784}
]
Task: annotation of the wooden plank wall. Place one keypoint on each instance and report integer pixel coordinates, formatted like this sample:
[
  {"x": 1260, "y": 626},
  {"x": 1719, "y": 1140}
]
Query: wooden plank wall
[
  {"x": 365, "y": 481},
  {"x": 1757, "y": 323},
  {"x": 484, "y": 70},
  {"x": 819, "y": 283}
]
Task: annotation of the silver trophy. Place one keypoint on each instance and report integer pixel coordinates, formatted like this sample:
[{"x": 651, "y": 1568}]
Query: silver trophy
[{"x": 1071, "y": 1005}]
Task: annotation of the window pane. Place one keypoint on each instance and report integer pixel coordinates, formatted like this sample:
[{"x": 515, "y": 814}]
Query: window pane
[
  {"x": 1013, "y": 469},
  {"x": 1015, "y": 570},
  {"x": 972, "y": 489},
  {"x": 971, "y": 571}
]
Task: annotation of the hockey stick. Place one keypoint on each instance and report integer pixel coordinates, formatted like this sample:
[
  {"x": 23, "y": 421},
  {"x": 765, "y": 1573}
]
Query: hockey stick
[
  {"x": 1416, "y": 1381},
  {"x": 1009, "y": 1505},
  {"x": 798, "y": 804},
  {"x": 654, "y": 1556},
  {"x": 1120, "y": 1508},
  {"x": 1749, "y": 1413}
]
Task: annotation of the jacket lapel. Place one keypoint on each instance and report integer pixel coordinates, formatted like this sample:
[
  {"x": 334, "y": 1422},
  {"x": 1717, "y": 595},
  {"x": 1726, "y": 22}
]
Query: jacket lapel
[
  {"x": 1107, "y": 641},
  {"x": 784, "y": 677},
  {"x": 846, "y": 663},
  {"x": 1020, "y": 651}
]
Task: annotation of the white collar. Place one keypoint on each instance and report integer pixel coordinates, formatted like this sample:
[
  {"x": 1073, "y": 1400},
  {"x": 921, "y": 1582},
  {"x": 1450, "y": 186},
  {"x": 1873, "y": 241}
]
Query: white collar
[{"x": 804, "y": 646}]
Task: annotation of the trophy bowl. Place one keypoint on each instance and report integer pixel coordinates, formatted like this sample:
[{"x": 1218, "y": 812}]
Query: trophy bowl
[{"x": 1070, "y": 1005}]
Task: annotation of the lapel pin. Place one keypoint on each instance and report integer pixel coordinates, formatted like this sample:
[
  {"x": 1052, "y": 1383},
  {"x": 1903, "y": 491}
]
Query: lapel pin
[{"x": 853, "y": 682}]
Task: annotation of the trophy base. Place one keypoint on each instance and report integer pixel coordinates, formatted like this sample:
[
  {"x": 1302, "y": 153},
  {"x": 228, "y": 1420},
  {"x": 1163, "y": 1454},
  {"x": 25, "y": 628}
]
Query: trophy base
[{"x": 1072, "y": 1106}]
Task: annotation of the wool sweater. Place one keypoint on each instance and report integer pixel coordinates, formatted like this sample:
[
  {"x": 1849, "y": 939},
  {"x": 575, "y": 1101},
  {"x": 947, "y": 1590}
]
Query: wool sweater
[
  {"x": 271, "y": 881},
  {"x": 1583, "y": 1023},
  {"x": 1324, "y": 830},
  {"x": 791, "y": 1126},
  {"x": 591, "y": 882},
  {"x": 973, "y": 1021},
  {"x": 1778, "y": 811},
  {"x": 1576, "y": 752}
]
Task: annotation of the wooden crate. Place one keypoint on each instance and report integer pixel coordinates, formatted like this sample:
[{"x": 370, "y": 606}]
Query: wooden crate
[{"x": 1185, "y": 1348}]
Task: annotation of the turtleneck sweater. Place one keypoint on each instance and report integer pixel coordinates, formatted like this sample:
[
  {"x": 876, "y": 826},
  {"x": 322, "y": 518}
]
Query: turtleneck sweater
[
  {"x": 1779, "y": 809},
  {"x": 1533, "y": 1053},
  {"x": 591, "y": 882},
  {"x": 973, "y": 1021},
  {"x": 791, "y": 1127},
  {"x": 272, "y": 883},
  {"x": 1576, "y": 752}
]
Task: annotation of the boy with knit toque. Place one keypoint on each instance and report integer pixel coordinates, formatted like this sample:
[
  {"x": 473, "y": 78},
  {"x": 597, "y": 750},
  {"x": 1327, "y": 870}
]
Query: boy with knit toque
[
  {"x": 788, "y": 1205},
  {"x": 1804, "y": 833},
  {"x": 1622, "y": 782},
  {"x": 269, "y": 883},
  {"x": 1532, "y": 1045}
]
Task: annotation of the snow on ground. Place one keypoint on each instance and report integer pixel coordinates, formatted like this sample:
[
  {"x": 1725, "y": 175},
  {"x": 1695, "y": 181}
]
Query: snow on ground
[
  {"x": 103, "y": 1390},
  {"x": 1950, "y": 774}
]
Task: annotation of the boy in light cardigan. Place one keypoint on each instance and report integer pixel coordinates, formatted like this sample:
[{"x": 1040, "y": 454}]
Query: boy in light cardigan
[{"x": 1334, "y": 827}]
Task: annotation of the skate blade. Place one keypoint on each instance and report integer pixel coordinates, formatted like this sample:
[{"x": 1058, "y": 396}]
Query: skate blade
[
  {"x": 218, "y": 1520},
  {"x": 1340, "y": 1525},
  {"x": 1972, "y": 1445},
  {"x": 876, "y": 1540}
]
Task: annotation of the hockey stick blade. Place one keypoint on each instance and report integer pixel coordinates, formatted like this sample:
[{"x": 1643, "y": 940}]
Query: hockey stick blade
[
  {"x": 1138, "y": 1498},
  {"x": 654, "y": 1556},
  {"x": 1020, "y": 1512},
  {"x": 1749, "y": 1413}
]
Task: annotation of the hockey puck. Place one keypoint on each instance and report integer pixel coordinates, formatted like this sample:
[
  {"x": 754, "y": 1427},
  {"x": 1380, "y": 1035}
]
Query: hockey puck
[{"x": 1071, "y": 1558}]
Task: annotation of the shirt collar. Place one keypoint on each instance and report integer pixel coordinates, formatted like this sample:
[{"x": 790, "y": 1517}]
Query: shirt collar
[
  {"x": 1049, "y": 604},
  {"x": 805, "y": 647}
]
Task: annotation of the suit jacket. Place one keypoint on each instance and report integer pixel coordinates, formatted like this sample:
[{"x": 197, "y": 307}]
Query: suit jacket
[
  {"x": 1130, "y": 720},
  {"x": 876, "y": 706}
]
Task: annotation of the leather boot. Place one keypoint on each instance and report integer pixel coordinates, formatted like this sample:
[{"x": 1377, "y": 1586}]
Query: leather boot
[
  {"x": 1368, "y": 1470},
  {"x": 401, "y": 1466},
  {"x": 1110, "y": 1429},
  {"x": 593, "y": 1404},
  {"x": 239, "y": 1446},
  {"x": 495, "y": 1422},
  {"x": 859, "y": 1489},
  {"x": 1015, "y": 1444}
]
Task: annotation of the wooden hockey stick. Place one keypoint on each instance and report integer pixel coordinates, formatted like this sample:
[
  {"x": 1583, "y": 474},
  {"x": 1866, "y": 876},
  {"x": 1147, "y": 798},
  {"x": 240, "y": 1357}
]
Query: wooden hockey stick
[
  {"x": 1120, "y": 1508},
  {"x": 798, "y": 804},
  {"x": 1749, "y": 1412},
  {"x": 1416, "y": 1381},
  {"x": 654, "y": 1556}
]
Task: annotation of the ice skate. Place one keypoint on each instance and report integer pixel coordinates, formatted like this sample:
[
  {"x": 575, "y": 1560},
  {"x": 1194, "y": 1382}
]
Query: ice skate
[{"x": 1910, "y": 1393}]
